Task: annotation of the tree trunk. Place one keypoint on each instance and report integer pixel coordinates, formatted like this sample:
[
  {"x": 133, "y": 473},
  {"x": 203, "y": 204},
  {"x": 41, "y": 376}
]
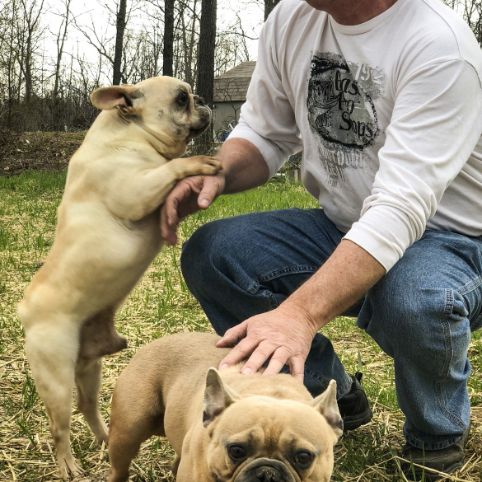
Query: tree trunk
[
  {"x": 61, "y": 36},
  {"x": 168, "y": 51},
  {"x": 268, "y": 7},
  {"x": 205, "y": 79},
  {"x": 30, "y": 35},
  {"x": 119, "y": 41}
]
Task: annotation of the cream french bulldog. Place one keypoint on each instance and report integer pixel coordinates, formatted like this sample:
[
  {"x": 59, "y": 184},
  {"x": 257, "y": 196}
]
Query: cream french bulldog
[
  {"x": 224, "y": 426},
  {"x": 107, "y": 234}
]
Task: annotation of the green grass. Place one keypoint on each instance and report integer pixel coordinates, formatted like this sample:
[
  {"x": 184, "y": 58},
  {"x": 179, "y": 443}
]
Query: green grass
[{"x": 162, "y": 304}]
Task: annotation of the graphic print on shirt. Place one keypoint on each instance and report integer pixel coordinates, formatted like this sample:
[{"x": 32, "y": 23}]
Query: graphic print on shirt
[{"x": 341, "y": 111}]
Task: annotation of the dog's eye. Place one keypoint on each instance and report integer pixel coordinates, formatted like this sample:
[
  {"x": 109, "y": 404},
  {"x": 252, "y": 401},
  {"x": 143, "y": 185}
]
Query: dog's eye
[
  {"x": 303, "y": 459},
  {"x": 182, "y": 99},
  {"x": 237, "y": 452}
]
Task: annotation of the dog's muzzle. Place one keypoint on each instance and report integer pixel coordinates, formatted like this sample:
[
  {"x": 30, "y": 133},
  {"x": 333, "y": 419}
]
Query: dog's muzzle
[
  {"x": 265, "y": 470},
  {"x": 204, "y": 113}
]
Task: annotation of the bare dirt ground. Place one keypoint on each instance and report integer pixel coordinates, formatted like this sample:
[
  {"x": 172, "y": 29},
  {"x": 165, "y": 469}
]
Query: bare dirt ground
[{"x": 36, "y": 150}]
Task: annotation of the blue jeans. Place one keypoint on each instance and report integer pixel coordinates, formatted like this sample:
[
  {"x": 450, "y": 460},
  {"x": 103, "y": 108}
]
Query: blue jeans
[{"x": 421, "y": 313}]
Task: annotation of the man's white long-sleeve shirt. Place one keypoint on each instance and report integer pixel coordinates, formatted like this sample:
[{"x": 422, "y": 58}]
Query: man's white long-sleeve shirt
[{"x": 388, "y": 115}]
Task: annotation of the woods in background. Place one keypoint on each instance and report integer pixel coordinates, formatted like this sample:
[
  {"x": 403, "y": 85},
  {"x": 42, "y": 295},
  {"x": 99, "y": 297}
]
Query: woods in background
[{"x": 46, "y": 73}]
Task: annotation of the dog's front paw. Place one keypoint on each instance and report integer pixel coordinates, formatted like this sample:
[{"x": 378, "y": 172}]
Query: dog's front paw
[
  {"x": 210, "y": 165},
  {"x": 207, "y": 165}
]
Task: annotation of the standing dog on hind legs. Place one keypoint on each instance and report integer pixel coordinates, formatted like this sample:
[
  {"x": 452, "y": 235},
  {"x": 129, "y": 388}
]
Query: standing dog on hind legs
[{"x": 107, "y": 234}]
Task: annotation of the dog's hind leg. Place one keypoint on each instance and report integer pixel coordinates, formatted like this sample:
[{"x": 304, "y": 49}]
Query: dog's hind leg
[
  {"x": 133, "y": 420},
  {"x": 87, "y": 379},
  {"x": 125, "y": 438},
  {"x": 51, "y": 350}
]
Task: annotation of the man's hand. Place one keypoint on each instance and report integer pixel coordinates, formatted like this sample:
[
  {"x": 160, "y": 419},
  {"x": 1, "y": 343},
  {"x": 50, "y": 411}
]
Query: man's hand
[
  {"x": 243, "y": 168},
  {"x": 188, "y": 196},
  {"x": 283, "y": 336}
]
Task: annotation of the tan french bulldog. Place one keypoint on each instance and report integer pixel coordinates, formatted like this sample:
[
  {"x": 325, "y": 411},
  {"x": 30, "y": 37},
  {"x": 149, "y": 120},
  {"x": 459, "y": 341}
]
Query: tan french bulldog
[
  {"x": 224, "y": 426},
  {"x": 107, "y": 234}
]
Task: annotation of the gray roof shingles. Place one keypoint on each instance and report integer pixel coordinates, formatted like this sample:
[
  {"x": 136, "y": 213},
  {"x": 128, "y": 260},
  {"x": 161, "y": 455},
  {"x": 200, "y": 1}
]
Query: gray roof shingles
[{"x": 233, "y": 84}]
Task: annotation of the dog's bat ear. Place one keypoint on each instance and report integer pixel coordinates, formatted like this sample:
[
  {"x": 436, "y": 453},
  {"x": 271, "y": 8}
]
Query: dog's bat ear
[
  {"x": 217, "y": 396},
  {"x": 326, "y": 404},
  {"x": 105, "y": 98}
]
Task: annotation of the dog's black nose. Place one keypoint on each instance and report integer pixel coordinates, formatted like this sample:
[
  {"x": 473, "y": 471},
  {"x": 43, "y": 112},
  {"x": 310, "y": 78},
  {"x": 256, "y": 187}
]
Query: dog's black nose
[
  {"x": 267, "y": 474},
  {"x": 199, "y": 100}
]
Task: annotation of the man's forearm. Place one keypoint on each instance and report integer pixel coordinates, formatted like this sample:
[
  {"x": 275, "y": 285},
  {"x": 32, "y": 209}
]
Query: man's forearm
[
  {"x": 342, "y": 280},
  {"x": 243, "y": 165}
]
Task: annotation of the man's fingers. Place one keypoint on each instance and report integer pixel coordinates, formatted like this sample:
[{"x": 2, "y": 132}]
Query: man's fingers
[
  {"x": 278, "y": 361},
  {"x": 281, "y": 358},
  {"x": 189, "y": 195},
  {"x": 259, "y": 357},
  {"x": 169, "y": 216},
  {"x": 297, "y": 367},
  {"x": 171, "y": 211},
  {"x": 168, "y": 230},
  {"x": 232, "y": 336},
  {"x": 208, "y": 192},
  {"x": 173, "y": 202},
  {"x": 239, "y": 353},
  {"x": 172, "y": 216}
]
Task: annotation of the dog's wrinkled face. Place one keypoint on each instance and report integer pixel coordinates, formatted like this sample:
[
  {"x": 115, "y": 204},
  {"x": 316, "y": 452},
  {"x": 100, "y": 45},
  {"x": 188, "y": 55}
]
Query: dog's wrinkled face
[
  {"x": 162, "y": 105},
  {"x": 261, "y": 438}
]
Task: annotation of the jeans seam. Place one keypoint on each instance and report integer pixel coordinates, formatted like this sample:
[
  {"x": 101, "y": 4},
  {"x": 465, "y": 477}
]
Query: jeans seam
[
  {"x": 453, "y": 418},
  {"x": 449, "y": 353},
  {"x": 470, "y": 286},
  {"x": 271, "y": 275},
  {"x": 449, "y": 301}
]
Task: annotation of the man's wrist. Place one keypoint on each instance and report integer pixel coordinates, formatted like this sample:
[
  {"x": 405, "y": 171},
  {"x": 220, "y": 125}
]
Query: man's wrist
[
  {"x": 299, "y": 311},
  {"x": 243, "y": 167}
]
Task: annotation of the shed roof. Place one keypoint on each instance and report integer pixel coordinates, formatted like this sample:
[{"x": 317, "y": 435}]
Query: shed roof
[{"x": 233, "y": 84}]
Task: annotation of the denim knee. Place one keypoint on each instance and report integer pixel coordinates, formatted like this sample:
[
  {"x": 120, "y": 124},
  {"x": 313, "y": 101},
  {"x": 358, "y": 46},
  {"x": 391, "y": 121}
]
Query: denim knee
[
  {"x": 430, "y": 300},
  {"x": 195, "y": 254},
  {"x": 415, "y": 320},
  {"x": 218, "y": 251}
]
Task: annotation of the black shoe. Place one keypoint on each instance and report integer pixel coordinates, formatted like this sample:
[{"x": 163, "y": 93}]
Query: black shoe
[
  {"x": 426, "y": 464},
  {"x": 354, "y": 408}
]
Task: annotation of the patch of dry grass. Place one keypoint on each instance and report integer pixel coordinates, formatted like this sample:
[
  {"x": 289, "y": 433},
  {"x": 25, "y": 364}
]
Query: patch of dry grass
[{"x": 161, "y": 304}]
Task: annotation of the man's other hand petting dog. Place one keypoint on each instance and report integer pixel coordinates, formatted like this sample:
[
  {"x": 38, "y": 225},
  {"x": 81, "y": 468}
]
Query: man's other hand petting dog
[
  {"x": 224, "y": 426},
  {"x": 107, "y": 234}
]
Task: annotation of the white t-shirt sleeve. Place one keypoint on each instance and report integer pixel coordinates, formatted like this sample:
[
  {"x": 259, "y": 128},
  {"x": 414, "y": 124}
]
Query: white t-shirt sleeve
[
  {"x": 427, "y": 144},
  {"x": 267, "y": 119}
]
